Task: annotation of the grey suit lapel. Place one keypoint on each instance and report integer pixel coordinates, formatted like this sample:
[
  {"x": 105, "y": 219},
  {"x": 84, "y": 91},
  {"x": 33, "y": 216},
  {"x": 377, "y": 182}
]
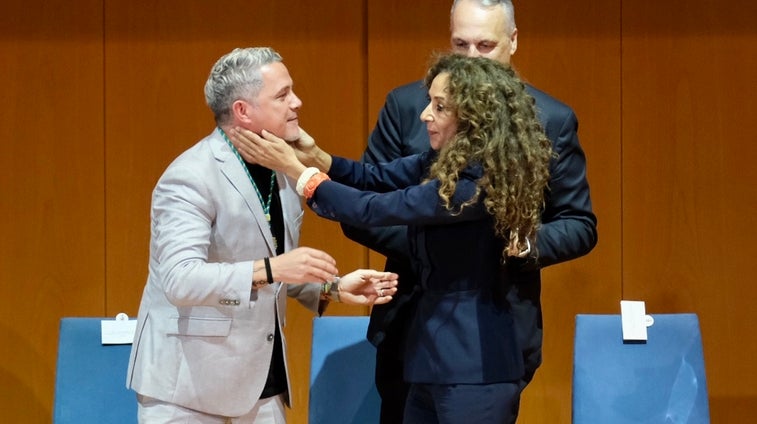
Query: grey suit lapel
[
  {"x": 290, "y": 202},
  {"x": 234, "y": 172}
]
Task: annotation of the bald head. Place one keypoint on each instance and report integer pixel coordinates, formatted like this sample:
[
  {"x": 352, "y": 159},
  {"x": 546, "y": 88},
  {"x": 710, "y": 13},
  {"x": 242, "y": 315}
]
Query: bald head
[{"x": 484, "y": 28}]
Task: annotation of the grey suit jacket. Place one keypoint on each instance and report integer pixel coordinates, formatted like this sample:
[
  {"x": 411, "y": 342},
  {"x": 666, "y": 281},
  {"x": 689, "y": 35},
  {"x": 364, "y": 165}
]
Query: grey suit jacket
[{"x": 204, "y": 339}]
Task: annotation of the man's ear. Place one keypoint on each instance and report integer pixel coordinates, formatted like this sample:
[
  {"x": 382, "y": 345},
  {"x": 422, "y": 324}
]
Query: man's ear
[
  {"x": 514, "y": 42},
  {"x": 241, "y": 110}
]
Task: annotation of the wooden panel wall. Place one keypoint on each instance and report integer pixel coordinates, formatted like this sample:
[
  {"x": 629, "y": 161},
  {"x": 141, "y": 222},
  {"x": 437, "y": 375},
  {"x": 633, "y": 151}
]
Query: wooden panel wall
[
  {"x": 101, "y": 96},
  {"x": 689, "y": 191},
  {"x": 51, "y": 191},
  {"x": 571, "y": 50}
]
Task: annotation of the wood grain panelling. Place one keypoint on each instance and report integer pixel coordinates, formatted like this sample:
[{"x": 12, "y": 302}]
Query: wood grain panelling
[
  {"x": 689, "y": 134},
  {"x": 402, "y": 37},
  {"x": 571, "y": 50},
  {"x": 157, "y": 59},
  {"x": 51, "y": 190},
  {"x": 100, "y": 96}
]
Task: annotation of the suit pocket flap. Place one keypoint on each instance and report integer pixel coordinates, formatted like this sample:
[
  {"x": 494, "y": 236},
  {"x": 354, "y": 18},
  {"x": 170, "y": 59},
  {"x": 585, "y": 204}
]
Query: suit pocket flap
[{"x": 200, "y": 326}]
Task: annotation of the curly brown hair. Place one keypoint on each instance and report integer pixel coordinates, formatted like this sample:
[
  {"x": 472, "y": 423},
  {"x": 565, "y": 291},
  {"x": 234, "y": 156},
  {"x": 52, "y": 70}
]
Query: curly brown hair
[{"x": 497, "y": 129}]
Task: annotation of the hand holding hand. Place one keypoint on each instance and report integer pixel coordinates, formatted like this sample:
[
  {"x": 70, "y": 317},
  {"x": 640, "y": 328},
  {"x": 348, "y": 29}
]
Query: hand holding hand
[
  {"x": 367, "y": 287},
  {"x": 303, "y": 265}
]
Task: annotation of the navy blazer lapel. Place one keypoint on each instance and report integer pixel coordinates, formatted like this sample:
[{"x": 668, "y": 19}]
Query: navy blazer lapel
[{"x": 234, "y": 172}]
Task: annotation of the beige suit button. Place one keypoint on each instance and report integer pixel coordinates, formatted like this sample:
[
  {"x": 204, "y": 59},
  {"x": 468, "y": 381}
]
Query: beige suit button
[{"x": 270, "y": 337}]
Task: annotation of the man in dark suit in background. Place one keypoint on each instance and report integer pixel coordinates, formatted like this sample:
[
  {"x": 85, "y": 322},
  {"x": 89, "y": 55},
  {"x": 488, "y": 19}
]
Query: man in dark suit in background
[{"x": 478, "y": 28}]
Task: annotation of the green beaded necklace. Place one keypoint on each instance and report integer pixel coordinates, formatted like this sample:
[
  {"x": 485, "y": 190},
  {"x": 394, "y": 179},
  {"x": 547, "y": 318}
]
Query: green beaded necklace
[{"x": 266, "y": 204}]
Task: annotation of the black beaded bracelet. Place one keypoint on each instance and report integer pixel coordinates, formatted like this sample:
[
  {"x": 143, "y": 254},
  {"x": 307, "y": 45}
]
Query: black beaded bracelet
[{"x": 268, "y": 273}]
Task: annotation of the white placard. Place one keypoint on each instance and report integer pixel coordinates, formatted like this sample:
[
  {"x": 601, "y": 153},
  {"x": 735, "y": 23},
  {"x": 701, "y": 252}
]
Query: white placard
[
  {"x": 634, "y": 320},
  {"x": 118, "y": 331}
]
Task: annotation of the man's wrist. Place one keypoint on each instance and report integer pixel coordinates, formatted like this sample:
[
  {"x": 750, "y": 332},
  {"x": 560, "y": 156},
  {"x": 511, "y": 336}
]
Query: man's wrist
[
  {"x": 330, "y": 291},
  {"x": 260, "y": 281}
]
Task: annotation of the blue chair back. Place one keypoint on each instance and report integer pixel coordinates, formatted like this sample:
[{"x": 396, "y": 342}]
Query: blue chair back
[
  {"x": 90, "y": 382},
  {"x": 343, "y": 362},
  {"x": 660, "y": 381}
]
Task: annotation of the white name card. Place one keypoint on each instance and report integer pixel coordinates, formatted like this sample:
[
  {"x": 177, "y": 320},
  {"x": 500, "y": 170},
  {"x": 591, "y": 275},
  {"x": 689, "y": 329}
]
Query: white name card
[
  {"x": 634, "y": 320},
  {"x": 118, "y": 331}
]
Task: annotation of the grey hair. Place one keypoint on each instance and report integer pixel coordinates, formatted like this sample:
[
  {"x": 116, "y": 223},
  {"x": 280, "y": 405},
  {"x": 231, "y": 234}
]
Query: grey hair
[
  {"x": 236, "y": 75},
  {"x": 507, "y": 5}
]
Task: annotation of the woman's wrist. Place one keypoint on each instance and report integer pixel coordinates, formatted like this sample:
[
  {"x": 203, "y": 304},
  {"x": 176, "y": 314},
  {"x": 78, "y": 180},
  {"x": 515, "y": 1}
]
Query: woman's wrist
[
  {"x": 323, "y": 160},
  {"x": 309, "y": 180},
  {"x": 312, "y": 184},
  {"x": 304, "y": 178},
  {"x": 295, "y": 170},
  {"x": 317, "y": 158}
]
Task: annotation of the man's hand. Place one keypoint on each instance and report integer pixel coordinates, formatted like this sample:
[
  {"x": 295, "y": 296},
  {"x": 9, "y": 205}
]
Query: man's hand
[
  {"x": 367, "y": 287},
  {"x": 518, "y": 248},
  {"x": 303, "y": 265}
]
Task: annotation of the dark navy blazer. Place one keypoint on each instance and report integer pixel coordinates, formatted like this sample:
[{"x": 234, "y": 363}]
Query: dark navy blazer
[
  {"x": 568, "y": 223},
  {"x": 463, "y": 329}
]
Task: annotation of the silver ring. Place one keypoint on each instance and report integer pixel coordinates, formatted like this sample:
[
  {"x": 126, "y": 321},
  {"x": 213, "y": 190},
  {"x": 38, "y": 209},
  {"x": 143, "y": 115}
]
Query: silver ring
[{"x": 381, "y": 292}]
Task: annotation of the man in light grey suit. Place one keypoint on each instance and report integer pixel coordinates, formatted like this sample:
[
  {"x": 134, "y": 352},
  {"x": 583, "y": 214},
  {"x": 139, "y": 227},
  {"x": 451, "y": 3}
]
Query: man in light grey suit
[{"x": 209, "y": 345}]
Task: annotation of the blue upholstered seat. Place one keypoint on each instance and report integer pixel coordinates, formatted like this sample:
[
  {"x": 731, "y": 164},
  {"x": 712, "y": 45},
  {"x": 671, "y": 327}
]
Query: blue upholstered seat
[
  {"x": 342, "y": 389},
  {"x": 661, "y": 381},
  {"x": 90, "y": 378}
]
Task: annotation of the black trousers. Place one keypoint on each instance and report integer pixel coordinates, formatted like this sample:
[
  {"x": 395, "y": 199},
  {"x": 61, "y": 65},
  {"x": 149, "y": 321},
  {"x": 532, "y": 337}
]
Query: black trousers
[
  {"x": 394, "y": 391},
  {"x": 390, "y": 385}
]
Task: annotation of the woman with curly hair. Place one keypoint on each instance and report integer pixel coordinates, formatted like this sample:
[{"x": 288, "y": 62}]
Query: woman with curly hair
[
  {"x": 470, "y": 204},
  {"x": 514, "y": 154}
]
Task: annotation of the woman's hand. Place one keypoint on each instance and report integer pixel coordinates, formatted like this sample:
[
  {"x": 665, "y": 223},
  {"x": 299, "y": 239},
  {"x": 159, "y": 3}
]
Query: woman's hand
[
  {"x": 367, "y": 287},
  {"x": 305, "y": 148},
  {"x": 269, "y": 151}
]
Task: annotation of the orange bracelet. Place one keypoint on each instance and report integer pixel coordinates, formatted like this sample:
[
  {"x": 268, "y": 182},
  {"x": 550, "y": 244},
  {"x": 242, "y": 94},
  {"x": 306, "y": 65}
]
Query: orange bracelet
[{"x": 313, "y": 183}]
